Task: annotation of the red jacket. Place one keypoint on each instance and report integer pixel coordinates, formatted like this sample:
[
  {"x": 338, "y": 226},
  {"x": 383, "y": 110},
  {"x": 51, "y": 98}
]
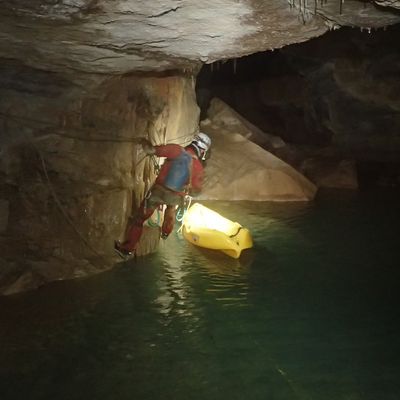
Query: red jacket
[{"x": 171, "y": 151}]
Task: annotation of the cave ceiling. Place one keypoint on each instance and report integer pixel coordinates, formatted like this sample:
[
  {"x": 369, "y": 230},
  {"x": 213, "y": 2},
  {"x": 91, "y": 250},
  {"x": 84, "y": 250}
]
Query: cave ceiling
[{"x": 114, "y": 37}]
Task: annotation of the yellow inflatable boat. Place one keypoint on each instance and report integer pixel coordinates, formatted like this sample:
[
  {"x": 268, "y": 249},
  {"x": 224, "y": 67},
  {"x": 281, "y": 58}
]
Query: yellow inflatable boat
[{"x": 206, "y": 228}]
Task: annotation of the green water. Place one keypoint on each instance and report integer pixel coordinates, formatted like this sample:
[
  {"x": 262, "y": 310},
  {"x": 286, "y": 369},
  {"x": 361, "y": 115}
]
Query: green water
[{"x": 312, "y": 312}]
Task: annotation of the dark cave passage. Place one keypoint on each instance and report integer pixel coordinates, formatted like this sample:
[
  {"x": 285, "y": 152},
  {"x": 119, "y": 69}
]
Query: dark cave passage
[{"x": 338, "y": 91}]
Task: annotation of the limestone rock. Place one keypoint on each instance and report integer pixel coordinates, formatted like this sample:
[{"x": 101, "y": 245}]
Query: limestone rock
[
  {"x": 388, "y": 3},
  {"x": 4, "y": 213},
  {"x": 242, "y": 170},
  {"x": 149, "y": 240},
  {"x": 224, "y": 116},
  {"x": 339, "y": 90},
  {"x": 26, "y": 274},
  {"x": 119, "y": 36},
  {"x": 330, "y": 173},
  {"x": 75, "y": 179}
]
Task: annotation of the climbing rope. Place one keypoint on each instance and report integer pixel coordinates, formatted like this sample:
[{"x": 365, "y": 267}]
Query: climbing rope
[
  {"x": 182, "y": 210},
  {"x": 55, "y": 197},
  {"x": 156, "y": 164},
  {"x": 135, "y": 140},
  {"x": 61, "y": 208},
  {"x": 155, "y": 224},
  {"x": 57, "y": 200},
  {"x": 64, "y": 213}
]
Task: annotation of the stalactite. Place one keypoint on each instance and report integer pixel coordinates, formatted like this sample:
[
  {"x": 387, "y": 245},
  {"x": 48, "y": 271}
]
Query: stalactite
[{"x": 234, "y": 65}]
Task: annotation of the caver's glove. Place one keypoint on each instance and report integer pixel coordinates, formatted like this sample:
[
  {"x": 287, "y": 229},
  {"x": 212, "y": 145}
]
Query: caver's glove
[{"x": 148, "y": 148}]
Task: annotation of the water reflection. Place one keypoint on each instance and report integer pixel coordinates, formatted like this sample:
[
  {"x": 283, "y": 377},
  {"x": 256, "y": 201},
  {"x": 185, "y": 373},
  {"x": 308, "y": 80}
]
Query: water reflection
[
  {"x": 223, "y": 277},
  {"x": 303, "y": 315}
]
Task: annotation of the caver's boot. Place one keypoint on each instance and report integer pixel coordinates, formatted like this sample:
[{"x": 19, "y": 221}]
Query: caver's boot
[{"x": 124, "y": 254}]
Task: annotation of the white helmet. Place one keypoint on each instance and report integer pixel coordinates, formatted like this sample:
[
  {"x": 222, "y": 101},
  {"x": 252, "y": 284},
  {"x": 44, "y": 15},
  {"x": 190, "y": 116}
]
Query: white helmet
[{"x": 202, "y": 143}]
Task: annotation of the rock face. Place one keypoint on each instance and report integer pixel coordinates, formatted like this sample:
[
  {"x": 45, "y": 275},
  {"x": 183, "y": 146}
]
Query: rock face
[
  {"x": 331, "y": 173},
  {"x": 241, "y": 170},
  {"x": 339, "y": 90},
  {"x": 321, "y": 166},
  {"x": 352, "y": 92},
  {"x": 67, "y": 191},
  {"x": 118, "y": 36},
  {"x": 226, "y": 117}
]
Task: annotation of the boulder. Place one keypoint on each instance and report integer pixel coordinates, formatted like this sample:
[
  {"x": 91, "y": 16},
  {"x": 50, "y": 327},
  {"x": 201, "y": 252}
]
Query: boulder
[
  {"x": 242, "y": 170},
  {"x": 224, "y": 116},
  {"x": 328, "y": 173}
]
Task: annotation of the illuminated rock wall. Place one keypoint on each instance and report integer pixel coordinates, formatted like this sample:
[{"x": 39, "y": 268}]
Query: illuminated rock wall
[{"x": 71, "y": 176}]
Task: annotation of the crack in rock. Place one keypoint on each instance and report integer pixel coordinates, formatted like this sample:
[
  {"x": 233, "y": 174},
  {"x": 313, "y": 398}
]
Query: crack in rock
[{"x": 173, "y": 9}]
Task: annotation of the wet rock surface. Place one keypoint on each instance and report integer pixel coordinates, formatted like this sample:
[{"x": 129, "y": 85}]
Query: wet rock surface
[
  {"x": 80, "y": 79},
  {"x": 69, "y": 189},
  {"x": 241, "y": 170},
  {"x": 340, "y": 90},
  {"x": 115, "y": 37}
]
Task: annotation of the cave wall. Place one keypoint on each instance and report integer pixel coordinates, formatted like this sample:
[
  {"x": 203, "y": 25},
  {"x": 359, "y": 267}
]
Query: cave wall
[
  {"x": 70, "y": 172},
  {"x": 340, "y": 89}
]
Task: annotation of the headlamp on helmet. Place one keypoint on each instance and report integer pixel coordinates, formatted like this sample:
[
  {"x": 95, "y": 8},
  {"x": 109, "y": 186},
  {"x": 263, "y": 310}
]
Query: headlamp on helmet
[{"x": 202, "y": 143}]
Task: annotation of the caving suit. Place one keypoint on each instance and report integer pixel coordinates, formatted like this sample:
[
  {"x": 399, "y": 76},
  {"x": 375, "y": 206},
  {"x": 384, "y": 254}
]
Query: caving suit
[{"x": 181, "y": 171}]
